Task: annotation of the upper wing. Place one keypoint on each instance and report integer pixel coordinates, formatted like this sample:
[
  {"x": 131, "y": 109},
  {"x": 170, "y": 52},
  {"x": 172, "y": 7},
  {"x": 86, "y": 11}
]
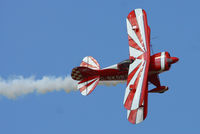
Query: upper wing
[{"x": 139, "y": 50}]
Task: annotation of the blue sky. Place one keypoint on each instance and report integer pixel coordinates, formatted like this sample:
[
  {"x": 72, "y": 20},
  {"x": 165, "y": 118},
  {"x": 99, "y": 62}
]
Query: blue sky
[{"x": 50, "y": 37}]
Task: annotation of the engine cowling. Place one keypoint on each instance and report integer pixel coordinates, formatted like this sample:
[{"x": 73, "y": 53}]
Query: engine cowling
[{"x": 161, "y": 62}]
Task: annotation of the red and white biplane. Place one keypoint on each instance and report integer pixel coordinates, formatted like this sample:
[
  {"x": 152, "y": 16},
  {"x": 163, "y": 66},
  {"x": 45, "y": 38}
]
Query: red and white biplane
[{"x": 137, "y": 71}]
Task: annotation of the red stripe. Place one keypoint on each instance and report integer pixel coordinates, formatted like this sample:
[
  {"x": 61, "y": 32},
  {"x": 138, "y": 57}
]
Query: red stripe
[
  {"x": 132, "y": 19},
  {"x": 83, "y": 88},
  {"x": 132, "y": 116},
  {"x": 84, "y": 64},
  {"x": 129, "y": 100},
  {"x": 133, "y": 44},
  {"x": 95, "y": 61},
  {"x": 131, "y": 57},
  {"x": 145, "y": 103},
  {"x": 94, "y": 86},
  {"x": 141, "y": 57}
]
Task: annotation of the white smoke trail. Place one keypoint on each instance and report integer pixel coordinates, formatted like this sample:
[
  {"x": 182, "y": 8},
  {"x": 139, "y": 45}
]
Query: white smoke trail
[{"x": 18, "y": 86}]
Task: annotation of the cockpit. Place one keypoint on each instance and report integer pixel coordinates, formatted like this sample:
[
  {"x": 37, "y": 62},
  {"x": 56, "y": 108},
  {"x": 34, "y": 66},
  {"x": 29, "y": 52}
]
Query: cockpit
[{"x": 124, "y": 65}]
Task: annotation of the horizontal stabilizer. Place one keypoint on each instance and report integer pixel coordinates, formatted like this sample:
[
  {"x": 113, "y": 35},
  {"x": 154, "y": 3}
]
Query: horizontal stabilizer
[{"x": 86, "y": 86}]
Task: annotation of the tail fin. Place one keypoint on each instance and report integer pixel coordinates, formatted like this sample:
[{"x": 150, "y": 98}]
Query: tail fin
[
  {"x": 87, "y": 74},
  {"x": 90, "y": 62}
]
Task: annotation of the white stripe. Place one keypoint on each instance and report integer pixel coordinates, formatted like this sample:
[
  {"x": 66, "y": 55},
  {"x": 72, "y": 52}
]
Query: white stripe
[
  {"x": 128, "y": 112},
  {"x": 91, "y": 62},
  {"x": 134, "y": 52},
  {"x": 134, "y": 65},
  {"x": 93, "y": 68},
  {"x": 136, "y": 99},
  {"x": 112, "y": 67},
  {"x": 132, "y": 34},
  {"x": 132, "y": 81},
  {"x": 162, "y": 60},
  {"x": 139, "y": 116},
  {"x": 139, "y": 16}
]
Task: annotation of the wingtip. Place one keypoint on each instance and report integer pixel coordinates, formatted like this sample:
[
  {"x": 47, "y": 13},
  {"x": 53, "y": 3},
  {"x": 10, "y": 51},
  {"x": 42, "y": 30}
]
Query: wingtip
[{"x": 136, "y": 116}]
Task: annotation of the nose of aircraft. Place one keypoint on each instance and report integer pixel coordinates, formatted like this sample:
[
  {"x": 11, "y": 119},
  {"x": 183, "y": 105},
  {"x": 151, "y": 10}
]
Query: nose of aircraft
[{"x": 173, "y": 60}]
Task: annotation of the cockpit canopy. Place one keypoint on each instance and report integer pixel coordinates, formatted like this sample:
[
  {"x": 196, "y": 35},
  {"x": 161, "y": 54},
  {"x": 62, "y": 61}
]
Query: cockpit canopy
[{"x": 124, "y": 65}]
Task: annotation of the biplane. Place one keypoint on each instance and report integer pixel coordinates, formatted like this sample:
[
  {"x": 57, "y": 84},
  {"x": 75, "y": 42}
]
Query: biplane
[{"x": 138, "y": 71}]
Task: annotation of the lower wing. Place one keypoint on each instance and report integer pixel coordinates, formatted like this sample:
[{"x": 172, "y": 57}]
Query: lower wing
[{"x": 138, "y": 115}]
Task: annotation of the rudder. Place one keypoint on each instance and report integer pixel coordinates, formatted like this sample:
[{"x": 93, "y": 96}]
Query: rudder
[
  {"x": 90, "y": 62},
  {"x": 87, "y": 74}
]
